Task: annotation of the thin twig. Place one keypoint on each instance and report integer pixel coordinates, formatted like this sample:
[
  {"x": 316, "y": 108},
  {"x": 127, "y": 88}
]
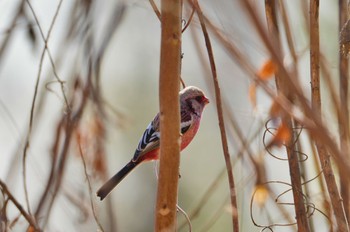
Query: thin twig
[
  {"x": 310, "y": 119},
  {"x": 26, "y": 215},
  {"x": 46, "y": 41},
  {"x": 291, "y": 148},
  {"x": 70, "y": 123},
  {"x": 332, "y": 187},
  {"x": 188, "y": 220},
  {"x": 288, "y": 32},
  {"x": 233, "y": 198},
  {"x": 45, "y": 194},
  {"x": 155, "y": 8},
  {"x": 189, "y": 20},
  {"x": 31, "y": 119},
  {"x": 89, "y": 186}
]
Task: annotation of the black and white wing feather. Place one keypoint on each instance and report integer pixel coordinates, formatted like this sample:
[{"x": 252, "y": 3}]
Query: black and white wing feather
[{"x": 150, "y": 139}]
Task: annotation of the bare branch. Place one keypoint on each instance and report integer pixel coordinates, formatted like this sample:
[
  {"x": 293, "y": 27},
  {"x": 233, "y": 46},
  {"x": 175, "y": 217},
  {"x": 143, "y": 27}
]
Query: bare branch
[
  {"x": 169, "y": 80},
  {"x": 31, "y": 119},
  {"x": 233, "y": 195},
  {"x": 26, "y": 215}
]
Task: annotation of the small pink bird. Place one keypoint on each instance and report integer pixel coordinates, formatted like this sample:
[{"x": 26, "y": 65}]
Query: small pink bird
[{"x": 192, "y": 103}]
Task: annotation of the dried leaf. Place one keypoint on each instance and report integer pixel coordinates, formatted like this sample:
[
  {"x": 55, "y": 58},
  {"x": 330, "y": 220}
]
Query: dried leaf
[
  {"x": 31, "y": 229},
  {"x": 90, "y": 136},
  {"x": 99, "y": 164},
  {"x": 267, "y": 70},
  {"x": 261, "y": 195},
  {"x": 282, "y": 136}
]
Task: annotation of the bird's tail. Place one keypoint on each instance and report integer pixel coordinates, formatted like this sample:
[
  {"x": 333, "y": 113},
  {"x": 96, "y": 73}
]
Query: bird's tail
[{"x": 115, "y": 180}]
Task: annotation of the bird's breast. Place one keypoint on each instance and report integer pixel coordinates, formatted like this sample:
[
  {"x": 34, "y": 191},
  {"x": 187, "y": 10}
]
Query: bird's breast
[{"x": 189, "y": 134}]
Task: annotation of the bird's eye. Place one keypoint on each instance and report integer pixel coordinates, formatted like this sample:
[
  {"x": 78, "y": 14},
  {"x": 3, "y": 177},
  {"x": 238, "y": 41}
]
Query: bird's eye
[{"x": 199, "y": 98}]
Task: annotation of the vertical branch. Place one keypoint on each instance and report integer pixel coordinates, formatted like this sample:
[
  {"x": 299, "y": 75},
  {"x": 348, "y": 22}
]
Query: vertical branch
[
  {"x": 343, "y": 115},
  {"x": 313, "y": 120},
  {"x": 170, "y": 58},
  {"x": 284, "y": 89},
  {"x": 335, "y": 198},
  {"x": 315, "y": 56},
  {"x": 233, "y": 195}
]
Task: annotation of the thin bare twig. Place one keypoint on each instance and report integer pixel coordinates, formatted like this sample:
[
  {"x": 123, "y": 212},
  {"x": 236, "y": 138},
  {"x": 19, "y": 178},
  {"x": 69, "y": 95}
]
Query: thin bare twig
[
  {"x": 291, "y": 148},
  {"x": 188, "y": 220},
  {"x": 233, "y": 198},
  {"x": 332, "y": 187},
  {"x": 31, "y": 119},
  {"x": 46, "y": 48},
  {"x": 70, "y": 123},
  {"x": 288, "y": 32},
  {"x": 311, "y": 119},
  {"x": 155, "y": 8},
  {"x": 189, "y": 20},
  {"x": 51, "y": 178},
  {"x": 26, "y": 215},
  {"x": 89, "y": 186}
]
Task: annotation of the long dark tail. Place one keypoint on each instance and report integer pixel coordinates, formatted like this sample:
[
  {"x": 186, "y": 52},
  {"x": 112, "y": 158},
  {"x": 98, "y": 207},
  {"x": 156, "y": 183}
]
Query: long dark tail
[{"x": 115, "y": 180}]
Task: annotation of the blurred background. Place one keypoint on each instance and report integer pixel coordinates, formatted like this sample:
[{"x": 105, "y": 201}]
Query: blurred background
[{"x": 95, "y": 87}]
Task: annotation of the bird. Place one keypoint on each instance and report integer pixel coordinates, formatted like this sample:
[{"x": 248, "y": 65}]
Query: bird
[{"x": 192, "y": 102}]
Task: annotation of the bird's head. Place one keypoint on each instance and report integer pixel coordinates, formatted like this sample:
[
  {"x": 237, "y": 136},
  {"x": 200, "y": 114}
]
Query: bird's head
[{"x": 194, "y": 98}]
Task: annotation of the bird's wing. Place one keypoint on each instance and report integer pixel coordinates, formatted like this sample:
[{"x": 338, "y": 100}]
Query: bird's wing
[{"x": 149, "y": 140}]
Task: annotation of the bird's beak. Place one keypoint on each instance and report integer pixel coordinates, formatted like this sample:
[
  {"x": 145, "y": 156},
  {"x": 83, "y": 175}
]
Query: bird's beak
[{"x": 206, "y": 100}]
